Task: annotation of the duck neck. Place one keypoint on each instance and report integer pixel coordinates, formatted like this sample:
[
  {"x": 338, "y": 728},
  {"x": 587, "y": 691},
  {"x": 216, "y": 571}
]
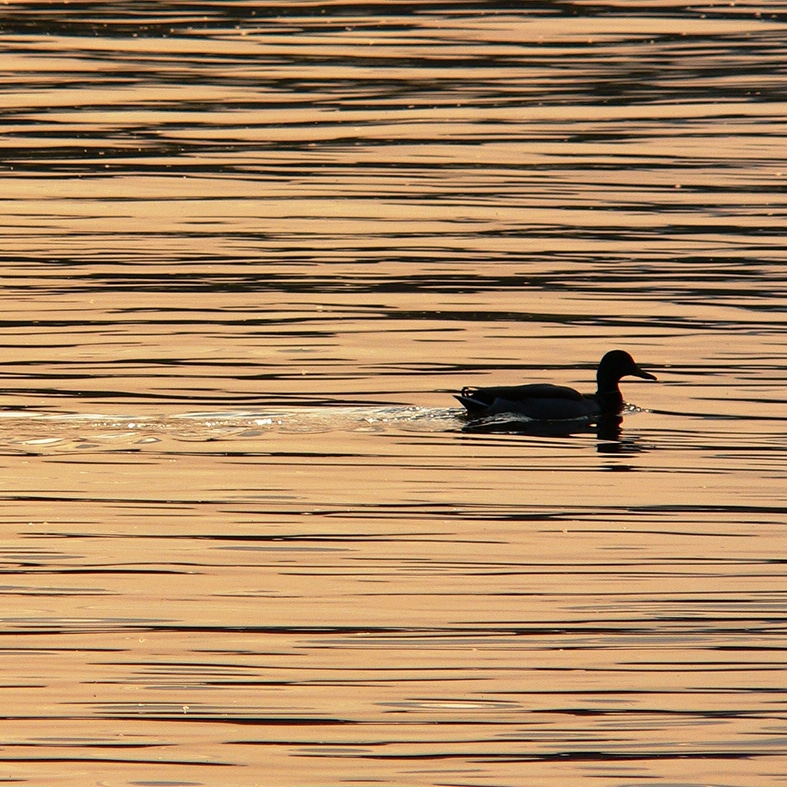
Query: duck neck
[{"x": 608, "y": 396}]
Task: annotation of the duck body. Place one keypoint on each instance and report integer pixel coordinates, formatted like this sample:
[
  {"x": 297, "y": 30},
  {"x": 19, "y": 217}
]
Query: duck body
[{"x": 546, "y": 402}]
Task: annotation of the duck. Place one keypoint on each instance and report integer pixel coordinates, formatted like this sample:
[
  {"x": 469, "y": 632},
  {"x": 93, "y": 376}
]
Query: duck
[{"x": 546, "y": 402}]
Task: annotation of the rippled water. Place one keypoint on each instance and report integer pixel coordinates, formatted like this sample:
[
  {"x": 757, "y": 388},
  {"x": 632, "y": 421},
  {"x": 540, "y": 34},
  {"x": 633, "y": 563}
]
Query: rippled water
[{"x": 249, "y": 252}]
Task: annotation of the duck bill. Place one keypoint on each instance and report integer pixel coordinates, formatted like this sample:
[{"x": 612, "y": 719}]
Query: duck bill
[{"x": 643, "y": 374}]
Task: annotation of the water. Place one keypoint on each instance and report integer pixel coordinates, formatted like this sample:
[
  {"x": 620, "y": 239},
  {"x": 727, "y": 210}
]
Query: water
[{"x": 248, "y": 254}]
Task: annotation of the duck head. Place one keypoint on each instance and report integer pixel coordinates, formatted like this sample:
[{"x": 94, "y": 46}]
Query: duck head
[{"x": 616, "y": 364}]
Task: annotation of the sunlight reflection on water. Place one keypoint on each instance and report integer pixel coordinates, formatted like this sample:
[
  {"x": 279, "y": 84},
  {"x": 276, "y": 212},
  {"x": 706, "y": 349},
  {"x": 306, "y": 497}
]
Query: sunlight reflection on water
[{"x": 249, "y": 254}]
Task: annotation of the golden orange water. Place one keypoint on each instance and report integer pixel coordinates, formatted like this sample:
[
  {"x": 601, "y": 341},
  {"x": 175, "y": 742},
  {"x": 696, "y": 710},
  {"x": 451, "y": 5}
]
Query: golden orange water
[{"x": 249, "y": 252}]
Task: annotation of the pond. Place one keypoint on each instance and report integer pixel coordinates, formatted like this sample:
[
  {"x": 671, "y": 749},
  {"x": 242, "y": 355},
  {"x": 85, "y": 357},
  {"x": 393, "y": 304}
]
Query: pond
[{"x": 251, "y": 251}]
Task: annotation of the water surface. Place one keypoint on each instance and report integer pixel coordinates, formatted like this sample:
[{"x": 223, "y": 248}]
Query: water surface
[{"x": 248, "y": 254}]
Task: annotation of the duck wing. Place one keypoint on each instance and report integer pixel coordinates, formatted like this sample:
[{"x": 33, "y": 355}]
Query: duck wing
[{"x": 540, "y": 401}]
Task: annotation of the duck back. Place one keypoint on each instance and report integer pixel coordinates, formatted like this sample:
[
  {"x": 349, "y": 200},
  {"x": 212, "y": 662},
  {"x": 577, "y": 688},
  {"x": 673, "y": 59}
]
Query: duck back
[{"x": 540, "y": 401}]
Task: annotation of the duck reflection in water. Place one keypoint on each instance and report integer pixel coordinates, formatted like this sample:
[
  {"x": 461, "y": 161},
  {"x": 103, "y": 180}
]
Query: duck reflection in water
[{"x": 545, "y": 409}]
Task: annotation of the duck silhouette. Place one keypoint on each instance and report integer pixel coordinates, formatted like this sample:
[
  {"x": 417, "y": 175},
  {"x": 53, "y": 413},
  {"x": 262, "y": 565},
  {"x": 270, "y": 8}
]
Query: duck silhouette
[{"x": 546, "y": 402}]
